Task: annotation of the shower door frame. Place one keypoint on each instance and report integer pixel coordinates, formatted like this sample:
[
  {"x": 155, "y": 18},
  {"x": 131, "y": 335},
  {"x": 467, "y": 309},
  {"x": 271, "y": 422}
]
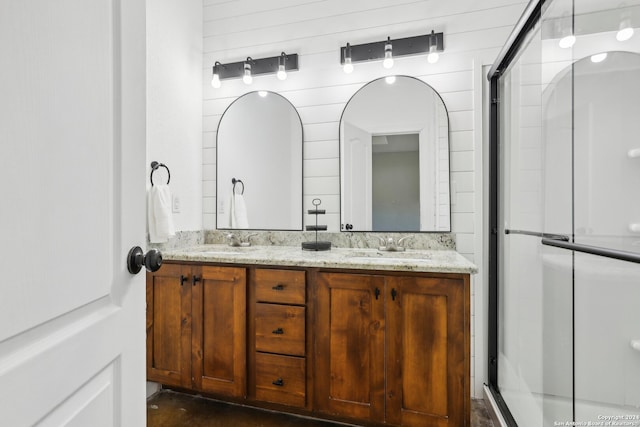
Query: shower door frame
[{"x": 527, "y": 22}]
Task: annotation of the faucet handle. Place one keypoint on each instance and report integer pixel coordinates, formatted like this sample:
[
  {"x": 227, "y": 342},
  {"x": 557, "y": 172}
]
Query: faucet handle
[
  {"x": 247, "y": 241},
  {"x": 233, "y": 240},
  {"x": 403, "y": 239}
]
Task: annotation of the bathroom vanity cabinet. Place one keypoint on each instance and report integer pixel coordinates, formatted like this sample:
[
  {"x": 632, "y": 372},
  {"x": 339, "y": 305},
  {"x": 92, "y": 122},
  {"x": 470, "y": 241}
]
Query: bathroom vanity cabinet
[
  {"x": 393, "y": 348},
  {"x": 368, "y": 346},
  {"x": 196, "y": 326}
]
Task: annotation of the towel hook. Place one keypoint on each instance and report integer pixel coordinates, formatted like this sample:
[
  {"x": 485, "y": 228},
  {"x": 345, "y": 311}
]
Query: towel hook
[
  {"x": 154, "y": 166},
  {"x": 234, "y": 182}
]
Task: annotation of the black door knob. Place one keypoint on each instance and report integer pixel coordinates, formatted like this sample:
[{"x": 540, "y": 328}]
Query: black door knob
[{"x": 152, "y": 260}]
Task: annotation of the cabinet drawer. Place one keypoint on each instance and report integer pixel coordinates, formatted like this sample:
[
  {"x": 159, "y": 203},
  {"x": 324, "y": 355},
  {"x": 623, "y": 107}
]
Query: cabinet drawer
[
  {"x": 281, "y": 379},
  {"x": 280, "y": 286},
  {"x": 280, "y": 329}
]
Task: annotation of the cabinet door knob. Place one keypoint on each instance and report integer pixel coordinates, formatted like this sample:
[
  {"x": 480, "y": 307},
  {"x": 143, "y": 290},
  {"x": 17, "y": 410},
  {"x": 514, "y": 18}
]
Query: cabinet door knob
[
  {"x": 278, "y": 287},
  {"x": 279, "y": 382},
  {"x": 278, "y": 331},
  {"x": 183, "y": 279},
  {"x": 195, "y": 279},
  {"x": 394, "y": 294}
]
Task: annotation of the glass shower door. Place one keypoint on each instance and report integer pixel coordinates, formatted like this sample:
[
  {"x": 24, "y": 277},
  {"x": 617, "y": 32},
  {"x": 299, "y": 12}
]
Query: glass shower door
[
  {"x": 568, "y": 218},
  {"x": 606, "y": 85}
]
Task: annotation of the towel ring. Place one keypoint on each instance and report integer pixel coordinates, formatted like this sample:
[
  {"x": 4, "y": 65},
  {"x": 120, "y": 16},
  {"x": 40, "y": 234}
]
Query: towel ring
[
  {"x": 234, "y": 182},
  {"x": 154, "y": 166}
]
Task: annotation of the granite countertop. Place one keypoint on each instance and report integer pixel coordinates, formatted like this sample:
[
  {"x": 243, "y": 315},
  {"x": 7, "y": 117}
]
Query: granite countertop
[{"x": 436, "y": 261}]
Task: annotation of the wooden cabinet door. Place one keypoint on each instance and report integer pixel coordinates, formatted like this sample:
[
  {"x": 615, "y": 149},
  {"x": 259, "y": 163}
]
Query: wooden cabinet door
[
  {"x": 427, "y": 352},
  {"x": 219, "y": 346},
  {"x": 169, "y": 325},
  {"x": 350, "y": 346}
]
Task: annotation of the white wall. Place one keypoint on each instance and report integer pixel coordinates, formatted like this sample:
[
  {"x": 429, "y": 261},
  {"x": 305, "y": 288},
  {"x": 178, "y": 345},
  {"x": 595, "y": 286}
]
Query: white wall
[
  {"x": 174, "y": 102},
  {"x": 474, "y": 32}
]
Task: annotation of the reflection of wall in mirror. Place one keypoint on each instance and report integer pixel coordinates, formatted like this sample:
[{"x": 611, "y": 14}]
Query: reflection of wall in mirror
[
  {"x": 260, "y": 142},
  {"x": 396, "y": 183}
]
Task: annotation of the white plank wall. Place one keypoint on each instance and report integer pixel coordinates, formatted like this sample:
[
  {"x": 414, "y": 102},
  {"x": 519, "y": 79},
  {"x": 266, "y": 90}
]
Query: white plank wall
[{"x": 474, "y": 32}]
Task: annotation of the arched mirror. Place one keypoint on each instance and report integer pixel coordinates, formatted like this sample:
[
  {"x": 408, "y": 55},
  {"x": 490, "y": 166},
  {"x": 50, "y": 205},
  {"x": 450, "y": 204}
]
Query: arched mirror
[
  {"x": 259, "y": 164},
  {"x": 394, "y": 158}
]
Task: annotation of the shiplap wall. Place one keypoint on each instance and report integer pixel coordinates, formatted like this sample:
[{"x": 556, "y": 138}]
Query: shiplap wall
[
  {"x": 174, "y": 106},
  {"x": 474, "y": 32}
]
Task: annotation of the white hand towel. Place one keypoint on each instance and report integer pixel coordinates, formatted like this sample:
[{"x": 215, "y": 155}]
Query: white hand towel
[
  {"x": 238, "y": 212},
  {"x": 160, "y": 217}
]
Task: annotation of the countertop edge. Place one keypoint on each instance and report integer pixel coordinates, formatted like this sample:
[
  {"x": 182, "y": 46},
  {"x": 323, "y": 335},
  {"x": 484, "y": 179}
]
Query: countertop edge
[{"x": 434, "y": 261}]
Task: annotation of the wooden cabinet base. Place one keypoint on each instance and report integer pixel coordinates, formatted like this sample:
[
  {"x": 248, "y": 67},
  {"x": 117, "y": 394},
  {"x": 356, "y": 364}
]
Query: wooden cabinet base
[{"x": 366, "y": 347}]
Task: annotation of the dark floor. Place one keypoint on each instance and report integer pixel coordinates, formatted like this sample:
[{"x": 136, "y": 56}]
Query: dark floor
[{"x": 170, "y": 409}]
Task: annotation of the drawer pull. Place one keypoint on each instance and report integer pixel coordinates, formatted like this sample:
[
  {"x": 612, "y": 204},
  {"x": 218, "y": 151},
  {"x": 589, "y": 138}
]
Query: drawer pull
[
  {"x": 279, "y": 382},
  {"x": 278, "y": 331},
  {"x": 278, "y": 287}
]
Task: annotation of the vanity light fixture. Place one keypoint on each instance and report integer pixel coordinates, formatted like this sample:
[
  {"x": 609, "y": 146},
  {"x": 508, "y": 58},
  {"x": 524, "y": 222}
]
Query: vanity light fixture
[
  {"x": 388, "y": 55},
  {"x": 567, "y": 41},
  {"x": 625, "y": 31},
  {"x": 246, "y": 77},
  {"x": 279, "y": 65},
  {"x": 387, "y": 50},
  {"x": 564, "y": 29}
]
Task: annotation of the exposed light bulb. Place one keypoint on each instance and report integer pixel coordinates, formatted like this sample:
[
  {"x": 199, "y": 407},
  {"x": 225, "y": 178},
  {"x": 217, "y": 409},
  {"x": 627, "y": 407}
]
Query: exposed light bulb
[
  {"x": 598, "y": 57},
  {"x": 567, "y": 41},
  {"x": 247, "y": 78},
  {"x": 388, "y": 55},
  {"x": 390, "y": 80},
  {"x": 215, "y": 81},
  {"x": 281, "y": 74},
  {"x": 348, "y": 66},
  {"x": 433, "y": 55},
  {"x": 625, "y": 32}
]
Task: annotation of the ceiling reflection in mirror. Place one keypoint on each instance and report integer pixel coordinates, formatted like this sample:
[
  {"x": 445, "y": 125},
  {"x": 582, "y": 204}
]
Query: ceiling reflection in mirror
[
  {"x": 259, "y": 146},
  {"x": 394, "y": 159}
]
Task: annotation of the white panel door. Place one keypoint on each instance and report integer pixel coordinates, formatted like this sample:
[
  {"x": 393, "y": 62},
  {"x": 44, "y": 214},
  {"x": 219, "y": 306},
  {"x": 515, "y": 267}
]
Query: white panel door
[
  {"x": 72, "y": 177},
  {"x": 356, "y": 191}
]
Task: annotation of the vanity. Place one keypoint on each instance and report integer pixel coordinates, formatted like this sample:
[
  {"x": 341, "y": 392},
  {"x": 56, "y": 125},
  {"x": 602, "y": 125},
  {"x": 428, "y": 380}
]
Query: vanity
[
  {"x": 362, "y": 336},
  {"x": 355, "y": 335}
]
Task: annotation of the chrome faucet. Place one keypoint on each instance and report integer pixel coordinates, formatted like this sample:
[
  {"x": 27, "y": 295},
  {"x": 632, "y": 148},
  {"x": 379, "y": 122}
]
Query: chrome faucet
[
  {"x": 237, "y": 241},
  {"x": 391, "y": 245}
]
